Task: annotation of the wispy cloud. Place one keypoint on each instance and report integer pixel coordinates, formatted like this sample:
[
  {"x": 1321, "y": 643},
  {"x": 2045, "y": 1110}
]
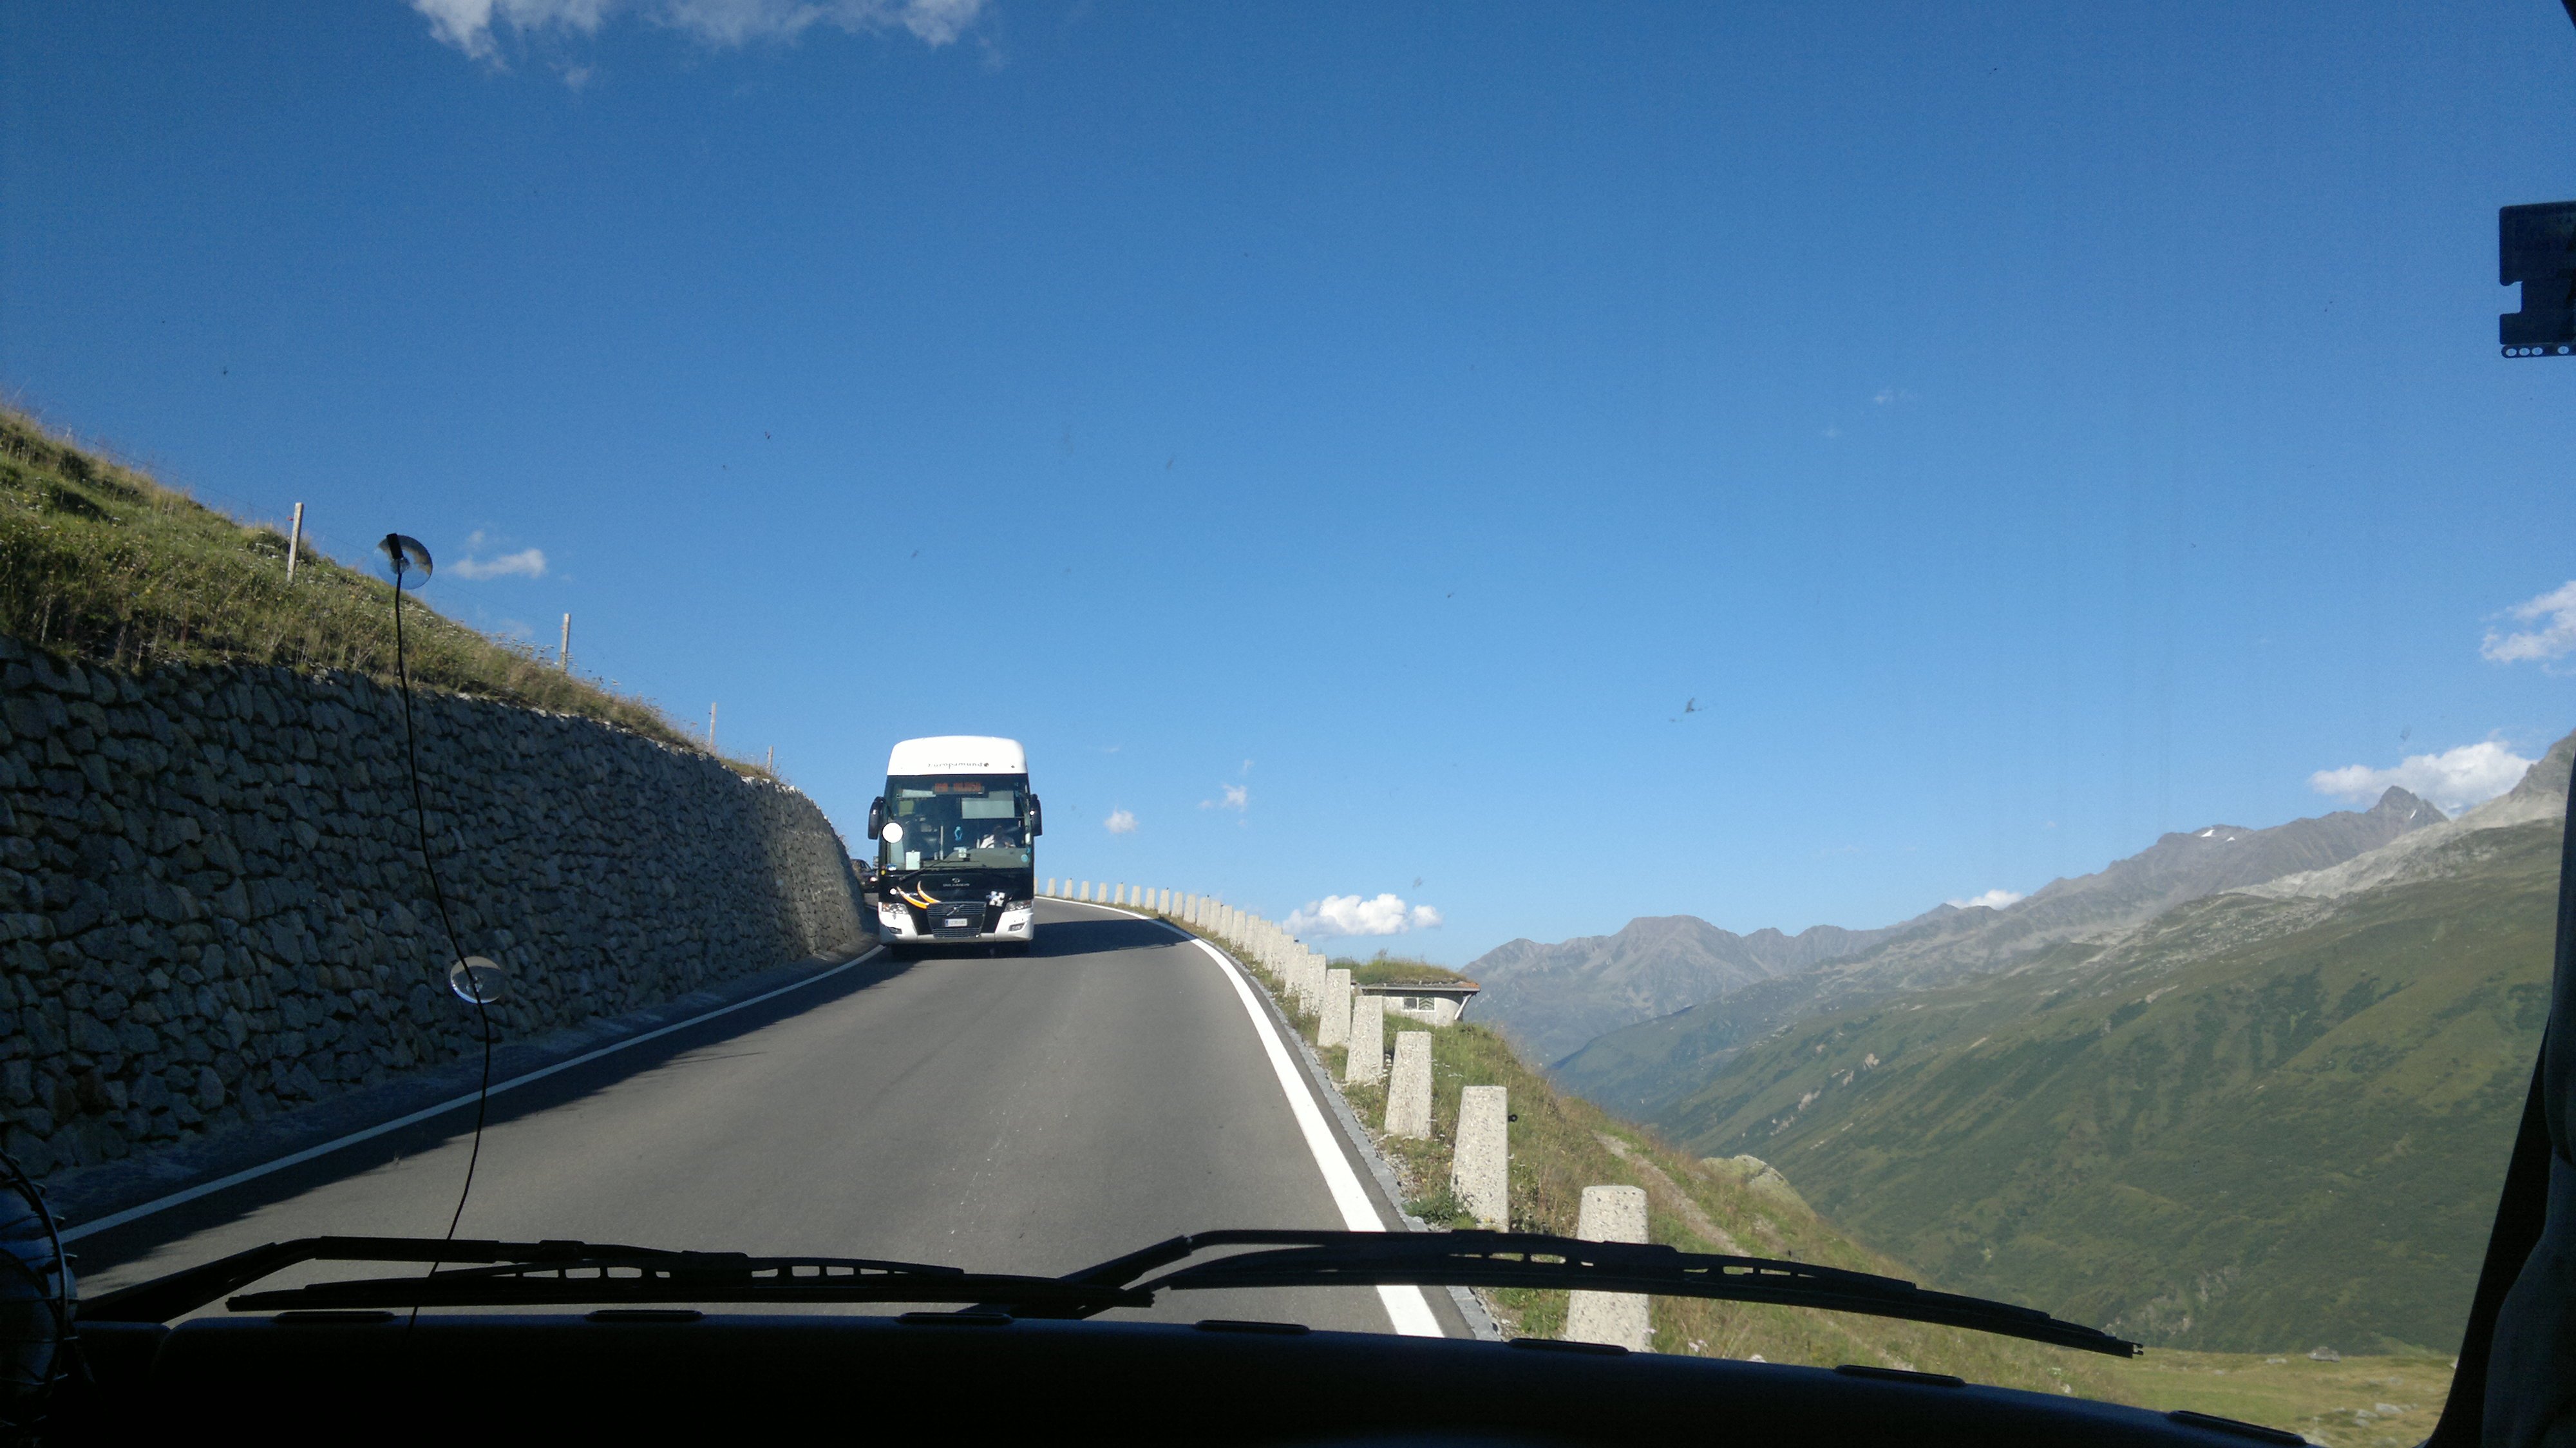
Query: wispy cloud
[
  {"x": 478, "y": 27},
  {"x": 1995, "y": 899},
  {"x": 526, "y": 563},
  {"x": 469, "y": 24},
  {"x": 1232, "y": 796},
  {"x": 2453, "y": 779},
  {"x": 1121, "y": 822},
  {"x": 2554, "y": 639},
  {"x": 1336, "y": 915}
]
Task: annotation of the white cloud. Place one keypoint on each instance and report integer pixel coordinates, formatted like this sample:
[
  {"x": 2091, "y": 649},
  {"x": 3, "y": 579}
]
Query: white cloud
[
  {"x": 1121, "y": 822},
  {"x": 2554, "y": 640},
  {"x": 475, "y": 26},
  {"x": 1352, "y": 915},
  {"x": 526, "y": 563},
  {"x": 1236, "y": 797},
  {"x": 2453, "y": 779},
  {"x": 468, "y": 24},
  {"x": 1994, "y": 899}
]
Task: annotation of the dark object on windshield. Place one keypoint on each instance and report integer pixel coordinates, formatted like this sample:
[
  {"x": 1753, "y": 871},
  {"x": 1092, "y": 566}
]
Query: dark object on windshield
[
  {"x": 334, "y": 1362},
  {"x": 35, "y": 1302},
  {"x": 1529, "y": 1259},
  {"x": 479, "y": 981},
  {"x": 2515, "y": 1385},
  {"x": 561, "y": 1273},
  {"x": 2536, "y": 246},
  {"x": 406, "y": 555}
]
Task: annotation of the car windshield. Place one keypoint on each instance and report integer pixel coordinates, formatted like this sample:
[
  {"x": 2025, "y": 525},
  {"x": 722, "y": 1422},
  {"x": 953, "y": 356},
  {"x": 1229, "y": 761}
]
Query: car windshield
[{"x": 1923, "y": 642}]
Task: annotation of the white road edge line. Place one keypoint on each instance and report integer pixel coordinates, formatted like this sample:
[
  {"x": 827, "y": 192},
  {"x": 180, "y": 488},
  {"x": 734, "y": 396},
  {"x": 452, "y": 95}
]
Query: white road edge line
[
  {"x": 1405, "y": 1305},
  {"x": 119, "y": 1219}
]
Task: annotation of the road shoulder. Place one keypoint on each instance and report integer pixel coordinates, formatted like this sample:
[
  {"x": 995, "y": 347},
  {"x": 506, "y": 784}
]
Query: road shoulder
[{"x": 93, "y": 1199}]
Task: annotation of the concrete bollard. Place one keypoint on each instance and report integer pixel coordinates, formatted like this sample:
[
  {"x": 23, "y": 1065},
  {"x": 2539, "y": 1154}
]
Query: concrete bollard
[
  {"x": 1085, "y": 896},
  {"x": 1367, "y": 1060},
  {"x": 1610, "y": 1214},
  {"x": 1335, "y": 1027},
  {"x": 1050, "y": 888},
  {"x": 1480, "y": 1166},
  {"x": 1408, "y": 1093}
]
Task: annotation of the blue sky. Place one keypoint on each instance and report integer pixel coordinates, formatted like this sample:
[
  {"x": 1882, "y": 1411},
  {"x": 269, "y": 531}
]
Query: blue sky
[{"x": 1344, "y": 439}]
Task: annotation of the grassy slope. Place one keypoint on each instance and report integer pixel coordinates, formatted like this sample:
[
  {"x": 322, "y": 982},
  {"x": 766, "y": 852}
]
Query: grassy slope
[
  {"x": 2292, "y": 1142},
  {"x": 1393, "y": 970},
  {"x": 103, "y": 563}
]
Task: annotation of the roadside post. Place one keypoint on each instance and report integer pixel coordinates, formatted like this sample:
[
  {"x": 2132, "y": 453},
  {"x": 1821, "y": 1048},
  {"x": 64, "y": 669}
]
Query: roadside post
[
  {"x": 1480, "y": 1166},
  {"x": 1610, "y": 1214}
]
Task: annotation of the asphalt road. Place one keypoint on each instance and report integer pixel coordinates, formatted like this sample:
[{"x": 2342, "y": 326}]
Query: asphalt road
[{"x": 1016, "y": 1115}]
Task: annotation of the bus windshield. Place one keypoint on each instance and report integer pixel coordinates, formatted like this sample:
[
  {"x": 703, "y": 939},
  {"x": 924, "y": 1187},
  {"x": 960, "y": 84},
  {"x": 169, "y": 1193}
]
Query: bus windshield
[{"x": 977, "y": 821}]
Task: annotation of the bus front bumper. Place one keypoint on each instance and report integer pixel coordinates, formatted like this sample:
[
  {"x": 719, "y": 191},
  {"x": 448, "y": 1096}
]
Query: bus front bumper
[{"x": 1016, "y": 923}]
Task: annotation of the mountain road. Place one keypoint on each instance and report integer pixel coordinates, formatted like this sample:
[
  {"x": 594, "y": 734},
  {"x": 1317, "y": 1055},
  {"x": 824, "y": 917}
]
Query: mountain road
[{"x": 1034, "y": 1114}]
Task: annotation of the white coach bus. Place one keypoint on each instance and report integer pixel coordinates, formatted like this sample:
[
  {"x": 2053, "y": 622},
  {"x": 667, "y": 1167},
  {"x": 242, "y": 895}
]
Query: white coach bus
[{"x": 956, "y": 833}]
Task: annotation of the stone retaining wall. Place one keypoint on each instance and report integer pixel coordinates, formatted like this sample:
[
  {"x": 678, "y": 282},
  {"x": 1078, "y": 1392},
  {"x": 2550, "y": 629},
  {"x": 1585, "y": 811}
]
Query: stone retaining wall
[{"x": 212, "y": 906}]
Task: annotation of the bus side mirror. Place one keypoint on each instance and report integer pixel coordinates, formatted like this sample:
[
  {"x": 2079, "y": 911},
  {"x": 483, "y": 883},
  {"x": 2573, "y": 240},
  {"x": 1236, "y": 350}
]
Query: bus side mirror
[
  {"x": 1037, "y": 818},
  {"x": 876, "y": 816}
]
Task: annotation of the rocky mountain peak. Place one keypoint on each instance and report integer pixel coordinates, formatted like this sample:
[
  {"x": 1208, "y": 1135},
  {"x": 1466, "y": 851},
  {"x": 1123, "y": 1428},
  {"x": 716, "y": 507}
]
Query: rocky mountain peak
[{"x": 2397, "y": 804}]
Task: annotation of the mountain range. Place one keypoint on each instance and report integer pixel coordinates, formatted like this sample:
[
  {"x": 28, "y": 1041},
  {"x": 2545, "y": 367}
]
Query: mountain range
[
  {"x": 2202, "y": 1099},
  {"x": 1550, "y": 999},
  {"x": 1563, "y": 1003},
  {"x": 2266, "y": 1117}
]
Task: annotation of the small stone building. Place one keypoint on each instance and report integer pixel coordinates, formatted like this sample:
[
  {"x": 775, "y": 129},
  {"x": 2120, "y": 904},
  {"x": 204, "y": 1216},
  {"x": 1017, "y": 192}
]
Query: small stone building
[{"x": 1434, "y": 1003}]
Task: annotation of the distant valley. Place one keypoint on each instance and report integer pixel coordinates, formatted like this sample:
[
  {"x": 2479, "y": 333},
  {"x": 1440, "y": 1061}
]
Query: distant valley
[{"x": 2245, "y": 1089}]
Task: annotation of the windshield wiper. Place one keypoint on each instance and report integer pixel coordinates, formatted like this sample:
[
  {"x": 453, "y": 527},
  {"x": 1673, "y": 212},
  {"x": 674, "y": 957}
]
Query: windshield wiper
[
  {"x": 560, "y": 1272},
  {"x": 1523, "y": 1259}
]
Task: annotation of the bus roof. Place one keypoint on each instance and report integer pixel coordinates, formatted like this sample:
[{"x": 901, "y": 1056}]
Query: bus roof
[{"x": 958, "y": 754}]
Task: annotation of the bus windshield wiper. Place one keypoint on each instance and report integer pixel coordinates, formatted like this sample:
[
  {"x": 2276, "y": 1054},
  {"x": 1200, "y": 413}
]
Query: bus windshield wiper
[
  {"x": 562, "y": 1272},
  {"x": 1523, "y": 1259}
]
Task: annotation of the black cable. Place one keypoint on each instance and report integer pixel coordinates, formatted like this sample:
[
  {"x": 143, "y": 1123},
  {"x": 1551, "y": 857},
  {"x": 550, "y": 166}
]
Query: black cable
[{"x": 438, "y": 898}]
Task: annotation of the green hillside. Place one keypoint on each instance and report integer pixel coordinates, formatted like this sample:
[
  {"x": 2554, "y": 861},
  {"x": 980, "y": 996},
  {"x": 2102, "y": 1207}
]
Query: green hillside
[
  {"x": 1562, "y": 1143},
  {"x": 2266, "y": 1122}
]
